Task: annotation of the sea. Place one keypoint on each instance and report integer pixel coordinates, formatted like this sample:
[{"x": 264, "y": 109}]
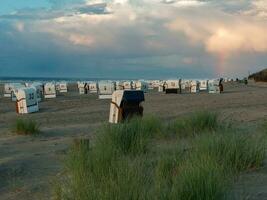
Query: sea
[
  {"x": 49, "y": 79},
  {"x": 74, "y": 80}
]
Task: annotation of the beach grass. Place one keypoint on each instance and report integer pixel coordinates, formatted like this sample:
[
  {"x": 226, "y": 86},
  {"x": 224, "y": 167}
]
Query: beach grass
[
  {"x": 126, "y": 160},
  {"x": 26, "y": 127}
]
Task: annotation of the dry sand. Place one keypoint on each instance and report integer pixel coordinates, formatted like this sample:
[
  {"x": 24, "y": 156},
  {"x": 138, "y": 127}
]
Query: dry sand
[{"x": 28, "y": 165}]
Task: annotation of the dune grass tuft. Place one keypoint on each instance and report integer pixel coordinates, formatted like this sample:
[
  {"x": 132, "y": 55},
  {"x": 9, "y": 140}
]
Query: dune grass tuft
[
  {"x": 131, "y": 137},
  {"x": 235, "y": 151},
  {"x": 125, "y": 162},
  {"x": 200, "y": 178},
  {"x": 26, "y": 127},
  {"x": 98, "y": 173},
  {"x": 195, "y": 124}
]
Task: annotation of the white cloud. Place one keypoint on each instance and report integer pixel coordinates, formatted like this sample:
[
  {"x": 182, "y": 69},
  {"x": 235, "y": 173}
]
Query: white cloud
[
  {"x": 120, "y": 1},
  {"x": 189, "y": 3},
  {"x": 218, "y": 32},
  {"x": 258, "y": 9}
]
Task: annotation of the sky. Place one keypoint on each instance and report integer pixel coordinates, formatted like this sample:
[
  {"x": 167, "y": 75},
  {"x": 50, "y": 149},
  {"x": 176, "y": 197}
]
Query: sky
[{"x": 132, "y": 38}]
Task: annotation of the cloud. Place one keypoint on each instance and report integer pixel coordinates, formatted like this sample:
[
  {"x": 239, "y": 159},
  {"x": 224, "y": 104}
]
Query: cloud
[
  {"x": 19, "y": 26},
  {"x": 188, "y": 60},
  {"x": 98, "y": 8},
  {"x": 225, "y": 34},
  {"x": 243, "y": 38},
  {"x": 185, "y": 3},
  {"x": 35, "y": 14},
  {"x": 95, "y": 30},
  {"x": 258, "y": 8},
  {"x": 31, "y": 14},
  {"x": 122, "y": 36},
  {"x": 63, "y": 3}
]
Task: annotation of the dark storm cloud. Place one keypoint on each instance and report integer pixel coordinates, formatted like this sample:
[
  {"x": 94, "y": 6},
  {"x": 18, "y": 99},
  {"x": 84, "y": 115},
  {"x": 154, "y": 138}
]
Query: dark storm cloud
[
  {"x": 92, "y": 9},
  {"x": 38, "y": 55},
  {"x": 64, "y": 3},
  {"x": 45, "y": 13}
]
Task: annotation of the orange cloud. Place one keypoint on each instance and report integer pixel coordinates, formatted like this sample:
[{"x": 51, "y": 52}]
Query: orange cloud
[
  {"x": 242, "y": 38},
  {"x": 82, "y": 40},
  {"x": 19, "y": 26},
  {"x": 224, "y": 37}
]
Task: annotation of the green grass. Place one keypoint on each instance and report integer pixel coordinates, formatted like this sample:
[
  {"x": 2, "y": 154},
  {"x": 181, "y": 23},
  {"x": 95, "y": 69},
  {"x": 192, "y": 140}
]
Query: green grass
[
  {"x": 132, "y": 137},
  {"x": 127, "y": 161},
  {"x": 235, "y": 151},
  {"x": 99, "y": 174},
  {"x": 200, "y": 178},
  {"x": 26, "y": 127},
  {"x": 195, "y": 124}
]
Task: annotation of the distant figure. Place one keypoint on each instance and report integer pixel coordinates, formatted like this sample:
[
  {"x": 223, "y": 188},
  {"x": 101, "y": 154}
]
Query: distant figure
[
  {"x": 85, "y": 88},
  {"x": 180, "y": 86},
  {"x": 164, "y": 87},
  {"x": 221, "y": 85},
  {"x": 246, "y": 81}
]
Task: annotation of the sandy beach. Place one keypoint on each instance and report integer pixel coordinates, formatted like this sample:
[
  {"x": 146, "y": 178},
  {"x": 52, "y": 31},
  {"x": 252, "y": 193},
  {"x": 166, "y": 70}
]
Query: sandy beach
[{"x": 28, "y": 165}]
